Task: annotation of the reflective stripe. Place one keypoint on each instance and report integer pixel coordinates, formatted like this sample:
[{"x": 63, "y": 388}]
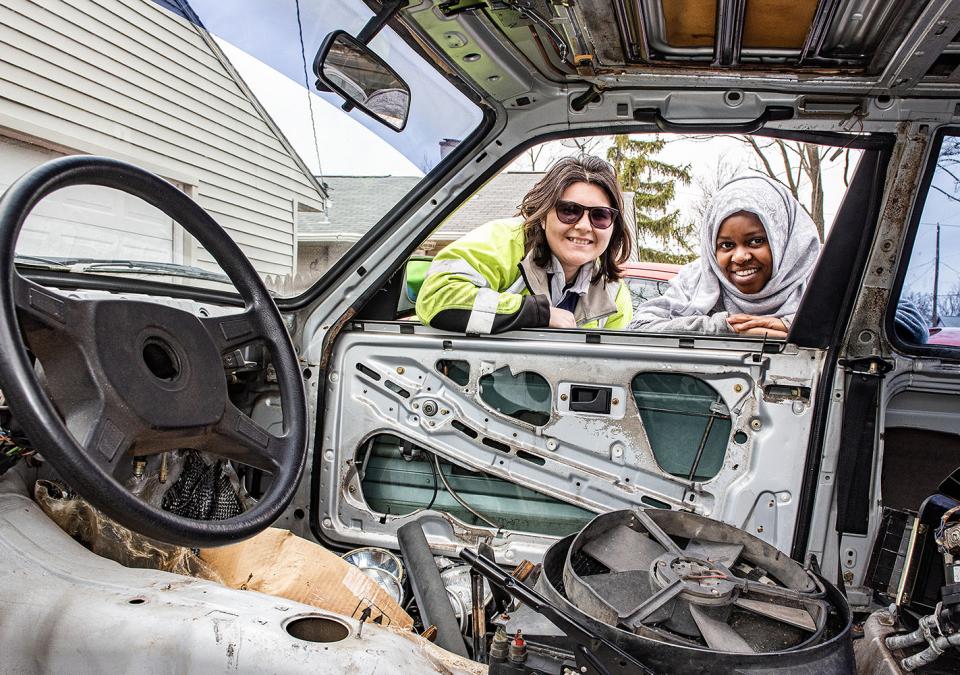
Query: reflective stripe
[
  {"x": 484, "y": 312},
  {"x": 517, "y": 286},
  {"x": 457, "y": 266}
]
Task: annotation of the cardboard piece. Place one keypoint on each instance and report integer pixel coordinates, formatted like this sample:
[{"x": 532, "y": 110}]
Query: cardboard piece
[{"x": 278, "y": 562}]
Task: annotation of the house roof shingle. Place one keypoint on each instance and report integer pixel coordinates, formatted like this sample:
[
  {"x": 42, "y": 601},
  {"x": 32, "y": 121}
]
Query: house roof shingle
[
  {"x": 356, "y": 204},
  {"x": 499, "y": 198}
]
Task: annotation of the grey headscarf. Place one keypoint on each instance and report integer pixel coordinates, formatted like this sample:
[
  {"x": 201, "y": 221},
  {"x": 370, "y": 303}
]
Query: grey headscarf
[{"x": 700, "y": 297}]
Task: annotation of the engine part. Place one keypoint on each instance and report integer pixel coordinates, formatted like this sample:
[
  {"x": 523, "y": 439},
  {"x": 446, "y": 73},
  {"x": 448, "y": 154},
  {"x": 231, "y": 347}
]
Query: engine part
[
  {"x": 936, "y": 630},
  {"x": 428, "y": 588},
  {"x": 890, "y": 550},
  {"x": 941, "y": 629},
  {"x": 646, "y": 579},
  {"x": 768, "y": 612},
  {"x": 478, "y": 625},
  {"x": 381, "y": 558},
  {"x": 591, "y": 652},
  {"x": 456, "y": 579},
  {"x": 380, "y": 565}
]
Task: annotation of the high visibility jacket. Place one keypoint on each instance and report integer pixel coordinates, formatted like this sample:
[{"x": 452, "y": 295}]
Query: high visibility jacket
[{"x": 482, "y": 283}]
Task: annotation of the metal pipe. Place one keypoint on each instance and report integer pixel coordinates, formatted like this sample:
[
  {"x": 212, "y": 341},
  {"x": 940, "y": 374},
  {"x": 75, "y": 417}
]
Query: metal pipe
[
  {"x": 479, "y": 617},
  {"x": 428, "y": 588}
]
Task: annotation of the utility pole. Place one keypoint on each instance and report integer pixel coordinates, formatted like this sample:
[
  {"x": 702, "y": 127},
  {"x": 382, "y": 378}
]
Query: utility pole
[{"x": 934, "y": 314}]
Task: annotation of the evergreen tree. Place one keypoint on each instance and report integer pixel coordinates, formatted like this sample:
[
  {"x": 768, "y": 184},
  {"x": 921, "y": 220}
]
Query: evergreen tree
[{"x": 653, "y": 183}]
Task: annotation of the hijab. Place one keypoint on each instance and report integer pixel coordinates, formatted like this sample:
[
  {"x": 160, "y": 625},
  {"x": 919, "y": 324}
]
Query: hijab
[{"x": 701, "y": 288}]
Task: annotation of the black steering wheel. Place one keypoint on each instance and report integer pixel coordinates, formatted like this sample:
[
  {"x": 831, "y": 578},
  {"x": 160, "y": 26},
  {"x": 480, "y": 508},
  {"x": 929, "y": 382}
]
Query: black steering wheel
[{"x": 126, "y": 378}]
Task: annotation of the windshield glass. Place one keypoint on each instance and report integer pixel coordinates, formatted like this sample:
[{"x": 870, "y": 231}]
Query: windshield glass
[{"x": 219, "y": 99}]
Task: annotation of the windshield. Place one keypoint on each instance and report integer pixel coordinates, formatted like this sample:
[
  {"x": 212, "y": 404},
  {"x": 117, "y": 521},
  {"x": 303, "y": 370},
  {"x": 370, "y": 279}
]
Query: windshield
[{"x": 219, "y": 99}]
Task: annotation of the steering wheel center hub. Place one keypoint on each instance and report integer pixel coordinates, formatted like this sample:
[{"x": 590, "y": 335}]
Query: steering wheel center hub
[{"x": 161, "y": 359}]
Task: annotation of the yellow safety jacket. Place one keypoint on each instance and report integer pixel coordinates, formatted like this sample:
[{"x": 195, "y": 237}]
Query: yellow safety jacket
[{"x": 482, "y": 283}]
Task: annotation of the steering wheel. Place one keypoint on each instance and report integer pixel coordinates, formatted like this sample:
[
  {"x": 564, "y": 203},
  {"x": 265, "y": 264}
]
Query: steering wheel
[{"x": 128, "y": 378}]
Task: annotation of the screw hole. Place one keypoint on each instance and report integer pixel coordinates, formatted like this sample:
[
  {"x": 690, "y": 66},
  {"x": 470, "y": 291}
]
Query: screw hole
[{"x": 136, "y": 601}]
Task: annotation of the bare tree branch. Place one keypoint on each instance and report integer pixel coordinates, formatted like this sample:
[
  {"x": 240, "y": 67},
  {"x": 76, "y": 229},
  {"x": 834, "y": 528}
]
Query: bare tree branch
[
  {"x": 791, "y": 183},
  {"x": 945, "y": 193},
  {"x": 763, "y": 158}
]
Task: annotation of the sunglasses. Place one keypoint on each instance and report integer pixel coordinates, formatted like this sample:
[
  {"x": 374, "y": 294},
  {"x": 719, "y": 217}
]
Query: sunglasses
[{"x": 570, "y": 213}]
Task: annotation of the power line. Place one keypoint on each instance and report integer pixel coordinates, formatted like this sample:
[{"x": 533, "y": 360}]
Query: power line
[{"x": 306, "y": 86}]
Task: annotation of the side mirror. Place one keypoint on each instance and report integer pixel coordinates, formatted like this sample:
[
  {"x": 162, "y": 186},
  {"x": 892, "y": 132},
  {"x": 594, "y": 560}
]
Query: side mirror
[{"x": 363, "y": 79}]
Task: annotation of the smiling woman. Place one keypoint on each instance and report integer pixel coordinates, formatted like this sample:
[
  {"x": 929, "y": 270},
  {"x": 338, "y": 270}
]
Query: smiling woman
[
  {"x": 758, "y": 248},
  {"x": 557, "y": 264}
]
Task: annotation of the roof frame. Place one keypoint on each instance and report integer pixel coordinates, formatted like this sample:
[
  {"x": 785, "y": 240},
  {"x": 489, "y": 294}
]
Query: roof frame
[{"x": 731, "y": 15}]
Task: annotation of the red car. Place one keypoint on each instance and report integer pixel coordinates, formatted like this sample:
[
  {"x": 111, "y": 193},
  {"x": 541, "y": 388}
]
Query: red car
[
  {"x": 944, "y": 336},
  {"x": 648, "y": 280}
]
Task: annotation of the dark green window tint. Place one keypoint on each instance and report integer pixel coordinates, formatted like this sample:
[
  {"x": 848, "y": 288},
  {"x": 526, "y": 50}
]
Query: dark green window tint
[
  {"x": 686, "y": 421},
  {"x": 458, "y": 371},
  {"x": 393, "y": 484},
  {"x": 524, "y": 396}
]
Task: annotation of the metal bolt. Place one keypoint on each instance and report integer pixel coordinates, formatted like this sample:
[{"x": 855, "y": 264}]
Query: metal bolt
[
  {"x": 848, "y": 577},
  {"x": 563, "y": 397},
  {"x": 715, "y": 591},
  {"x": 756, "y": 424},
  {"x": 615, "y": 401},
  {"x": 738, "y": 387},
  {"x": 444, "y": 411},
  {"x": 416, "y": 406},
  {"x": 430, "y": 408},
  {"x": 334, "y": 377},
  {"x": 759, "y": 528},
  {"x": 400, "y": 370},
  {"x": 551, "y": 444},
  {"x": 139, "y": 467},
  {"x": 352, "y": 489}
]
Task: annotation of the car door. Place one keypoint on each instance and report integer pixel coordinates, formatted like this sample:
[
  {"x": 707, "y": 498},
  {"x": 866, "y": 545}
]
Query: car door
[{"x": 522, "y": 437}]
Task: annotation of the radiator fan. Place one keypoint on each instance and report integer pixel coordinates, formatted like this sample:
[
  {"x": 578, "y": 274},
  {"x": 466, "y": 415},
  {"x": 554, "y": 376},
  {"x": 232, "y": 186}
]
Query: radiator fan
[{"x": 688, "y": 580}]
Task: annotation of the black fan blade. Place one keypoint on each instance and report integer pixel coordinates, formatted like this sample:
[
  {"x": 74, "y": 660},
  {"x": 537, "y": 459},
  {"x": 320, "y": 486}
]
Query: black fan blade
[
  {"x": 793, "y": 616},
  {"x": 718, "y": 634},
  {"x": 623, "y": 549},
  {"x": 725, "y": 554}
]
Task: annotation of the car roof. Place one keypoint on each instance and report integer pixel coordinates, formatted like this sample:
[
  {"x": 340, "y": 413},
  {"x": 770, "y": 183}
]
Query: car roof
[
  {"x": 875, "y": 47},
  {"x": 650, "y": 270}
]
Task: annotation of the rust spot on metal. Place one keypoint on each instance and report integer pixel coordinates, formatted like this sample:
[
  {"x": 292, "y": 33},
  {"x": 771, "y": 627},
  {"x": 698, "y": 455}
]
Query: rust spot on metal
[{"x": 331, "y": 336}]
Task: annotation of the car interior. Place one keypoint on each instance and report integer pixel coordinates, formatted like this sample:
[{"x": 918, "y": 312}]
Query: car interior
[{"x": 542, "y": 500}]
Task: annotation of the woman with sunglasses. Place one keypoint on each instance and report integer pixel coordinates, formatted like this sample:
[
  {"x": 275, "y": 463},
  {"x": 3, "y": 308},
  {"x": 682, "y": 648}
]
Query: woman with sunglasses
[{"x": 556, "y": 264}]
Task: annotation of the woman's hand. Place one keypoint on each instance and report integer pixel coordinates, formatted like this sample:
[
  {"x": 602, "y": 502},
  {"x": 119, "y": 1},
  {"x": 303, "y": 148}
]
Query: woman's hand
[
  {"x": 748, "y": 324},
  {"x": 561, "y": 318}
]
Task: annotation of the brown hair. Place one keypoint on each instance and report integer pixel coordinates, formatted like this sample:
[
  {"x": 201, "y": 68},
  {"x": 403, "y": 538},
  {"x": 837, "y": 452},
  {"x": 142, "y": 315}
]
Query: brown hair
[{"x": 544, "y": 195}]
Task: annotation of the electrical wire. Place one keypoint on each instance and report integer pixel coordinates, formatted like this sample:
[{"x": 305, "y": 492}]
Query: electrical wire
[
  {"x": 436, "y": 485},
  {"x": 306, "y": 85},
  {"x": 458, "y": 499}
]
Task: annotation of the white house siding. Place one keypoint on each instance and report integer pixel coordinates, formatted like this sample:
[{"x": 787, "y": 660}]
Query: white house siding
[{"x": 129, "y": 79}]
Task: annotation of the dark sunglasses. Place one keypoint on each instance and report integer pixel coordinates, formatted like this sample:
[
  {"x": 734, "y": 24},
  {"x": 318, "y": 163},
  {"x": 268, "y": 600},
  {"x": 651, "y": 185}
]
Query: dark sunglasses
[{"x": 569, "y": 213}]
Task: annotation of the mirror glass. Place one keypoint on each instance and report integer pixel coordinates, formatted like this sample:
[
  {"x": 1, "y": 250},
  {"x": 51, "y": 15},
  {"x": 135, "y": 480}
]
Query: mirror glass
[{"x": 363, "y": 79}]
